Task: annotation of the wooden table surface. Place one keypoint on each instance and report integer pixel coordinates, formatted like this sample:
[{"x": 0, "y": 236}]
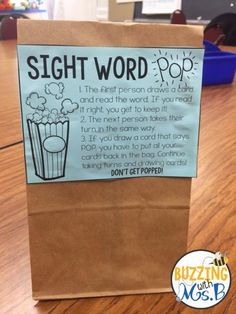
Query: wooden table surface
[
  {"x": 212, "y": 216},
  {"x": 9, "y": 109}
]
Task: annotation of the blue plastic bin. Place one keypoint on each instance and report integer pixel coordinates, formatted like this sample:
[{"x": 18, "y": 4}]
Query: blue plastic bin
[{"x": 218, "y": 66}]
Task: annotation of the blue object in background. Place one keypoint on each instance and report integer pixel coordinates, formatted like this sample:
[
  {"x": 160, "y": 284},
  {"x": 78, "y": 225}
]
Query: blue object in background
[{"x": 218, "y": 66}]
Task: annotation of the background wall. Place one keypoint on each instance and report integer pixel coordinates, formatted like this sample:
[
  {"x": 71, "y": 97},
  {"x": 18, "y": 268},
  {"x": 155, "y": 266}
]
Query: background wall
[{"x": 78, "y": 9}]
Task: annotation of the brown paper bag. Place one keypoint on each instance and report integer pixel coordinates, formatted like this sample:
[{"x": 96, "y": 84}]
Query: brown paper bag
[{"x": 106, "y": 237}]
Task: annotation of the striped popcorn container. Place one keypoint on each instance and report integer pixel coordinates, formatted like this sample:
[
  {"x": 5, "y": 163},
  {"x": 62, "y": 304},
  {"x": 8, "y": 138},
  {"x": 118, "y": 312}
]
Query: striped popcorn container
[{"x": 49, "y": 143}]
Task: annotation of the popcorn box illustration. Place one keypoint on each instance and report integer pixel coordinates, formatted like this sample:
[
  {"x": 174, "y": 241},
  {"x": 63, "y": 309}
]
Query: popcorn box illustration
[
  {"x": 49, "y": 144},
  {"x": 49, "y": 132}
]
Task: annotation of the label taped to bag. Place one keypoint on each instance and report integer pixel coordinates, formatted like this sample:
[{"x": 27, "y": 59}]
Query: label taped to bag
[{"x": 93, "y": 113}]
